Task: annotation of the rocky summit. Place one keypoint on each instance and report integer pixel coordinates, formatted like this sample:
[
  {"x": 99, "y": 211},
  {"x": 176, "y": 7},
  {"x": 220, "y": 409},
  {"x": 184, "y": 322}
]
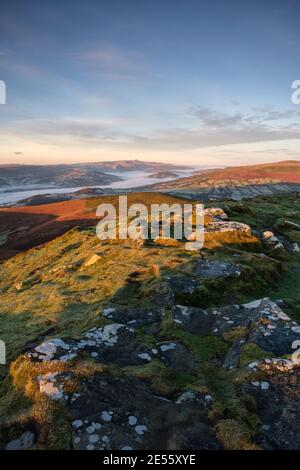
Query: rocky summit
[{"x": 119, "y": 345}]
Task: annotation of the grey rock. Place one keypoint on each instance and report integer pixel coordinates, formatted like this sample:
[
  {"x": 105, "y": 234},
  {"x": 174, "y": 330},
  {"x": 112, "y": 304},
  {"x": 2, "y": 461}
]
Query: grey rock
[
  {"x": 158, "y": 423},
  {"x": 111, "y": 343},
  {"x": 134, "y": 317},
  {"x": 232, "y": 358},
  {"x": 278, "y": 407},
  {"x": 183, "y": 285},
  {"x": 116, "y": 343},
  {"x": 176, "y": 356},
  {"x": 193, "y": 319},
  {"x": 25, "y": 441},
  {"x": 214, "y": 269},
  {"x": 274, "y": 331}
]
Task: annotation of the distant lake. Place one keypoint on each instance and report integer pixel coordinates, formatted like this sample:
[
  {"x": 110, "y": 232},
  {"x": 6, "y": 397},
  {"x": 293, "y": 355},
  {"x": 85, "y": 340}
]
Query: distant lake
[{"x": 131, "y": 179}]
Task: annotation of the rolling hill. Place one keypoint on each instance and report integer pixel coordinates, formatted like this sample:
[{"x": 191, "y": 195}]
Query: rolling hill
[
  {"x": 72, "y": 175},
  {"x": 280, "y": 172}
]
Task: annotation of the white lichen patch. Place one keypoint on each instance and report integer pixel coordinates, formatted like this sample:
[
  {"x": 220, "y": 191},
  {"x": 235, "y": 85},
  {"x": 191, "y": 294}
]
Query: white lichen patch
[
  {"x": 145, "y": 357},
  {"x": 46, "y": 385},
  {"x": 107, "y": 335},
  {"x": 185, "y": 396},
  {"x": 140, "y": 429},
  {"x": 77, "y": 423},
  {"x": 106, "y": 415},
  {"x": 46, "y": 351},
  {"x": 167, "y": 346},
  {"x": 132, "y": 420}
]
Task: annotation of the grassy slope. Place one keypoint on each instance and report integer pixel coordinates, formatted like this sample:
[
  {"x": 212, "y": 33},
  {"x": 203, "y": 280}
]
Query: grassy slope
[{"x": 59, "y": 297}]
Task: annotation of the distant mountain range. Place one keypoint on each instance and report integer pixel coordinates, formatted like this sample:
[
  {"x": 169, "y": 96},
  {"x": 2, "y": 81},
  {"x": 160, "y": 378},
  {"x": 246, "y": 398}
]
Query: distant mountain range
[{"x": 77, "y": 174}]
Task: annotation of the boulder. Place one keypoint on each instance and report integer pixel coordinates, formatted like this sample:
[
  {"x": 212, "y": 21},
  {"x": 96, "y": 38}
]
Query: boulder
[
  {"x": 215, "y": 269},
  {"x": 216, "y": 213},
  {"x": 183, "y": 285},
  {"x": 193, "y": 319},
  {"x": 274, "y": 333},
  {"x": 112, "y": 343},
  {"x": 109, "y": 416},
  {"x": 25, "y": 441},
  {"x": 277, "y": 399},
  {"x": 224, "y": 232},
  {"x": 134, "y": 317},
  {"x": 176, "y": 356},
  {"x": 232, "y": 358},
  {"x": 269, "y": 327}
]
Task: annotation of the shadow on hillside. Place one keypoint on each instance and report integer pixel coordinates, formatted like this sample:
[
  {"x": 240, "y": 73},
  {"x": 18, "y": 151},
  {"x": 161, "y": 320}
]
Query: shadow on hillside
[{"x": 21, "y": 231}]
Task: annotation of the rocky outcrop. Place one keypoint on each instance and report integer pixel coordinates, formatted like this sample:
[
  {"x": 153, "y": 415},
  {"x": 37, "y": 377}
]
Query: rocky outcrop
[
  {"x": 277, "y": 399},
  {"x": 114, "y": 343},
  {"x": 215, "y": 269},
  {"x": 266, "y": 324},
  {"x": 25, "y": 441},
  {"x": 133, "y": 316},
  {"x": 108, "y": 415},
  {"x": 176, "y": 356}
]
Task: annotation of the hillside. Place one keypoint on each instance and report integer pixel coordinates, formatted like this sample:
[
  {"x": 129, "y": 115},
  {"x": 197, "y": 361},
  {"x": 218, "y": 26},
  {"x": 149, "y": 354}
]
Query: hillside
[
  {"x": 72, "y": 175},
  {"x": 139, "y": 165},
  {"x": 270, "y": 173},
  {"x": 48, "y": 176},
  {"x": 24, "y": 227},
  {"x": 204, "y": 339}
]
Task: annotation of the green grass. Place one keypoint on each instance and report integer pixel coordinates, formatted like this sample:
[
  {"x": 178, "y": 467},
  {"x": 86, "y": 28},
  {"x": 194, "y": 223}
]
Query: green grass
[
  {"x": 59, "y": 297},
  {"x": 202, "y": 347}
]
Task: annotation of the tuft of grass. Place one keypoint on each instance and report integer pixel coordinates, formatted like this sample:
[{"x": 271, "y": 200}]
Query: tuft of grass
[
  {"x": 202, "y": 347},
  {"x": 235, "y": 333},
  {"x": 164, "y": 381},
  {"x": 234, "y": 435},
  {"x": 250, "y": 352}
]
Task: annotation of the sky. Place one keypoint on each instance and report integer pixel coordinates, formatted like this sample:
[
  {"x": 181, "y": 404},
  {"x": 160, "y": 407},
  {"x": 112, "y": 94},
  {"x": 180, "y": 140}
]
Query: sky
[{"x": 181, "y": 81}]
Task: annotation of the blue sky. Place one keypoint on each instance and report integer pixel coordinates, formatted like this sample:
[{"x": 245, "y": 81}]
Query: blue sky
[{"x": 202, "y": 82}]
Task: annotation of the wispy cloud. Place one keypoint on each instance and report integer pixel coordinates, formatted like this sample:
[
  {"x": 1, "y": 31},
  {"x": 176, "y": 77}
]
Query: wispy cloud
[
  {"x": 73, "y": 129},
  {"x": 215, "y": 119},
  {"x": 209, "y": 129},
  {"x": 114, "y": 62}
]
